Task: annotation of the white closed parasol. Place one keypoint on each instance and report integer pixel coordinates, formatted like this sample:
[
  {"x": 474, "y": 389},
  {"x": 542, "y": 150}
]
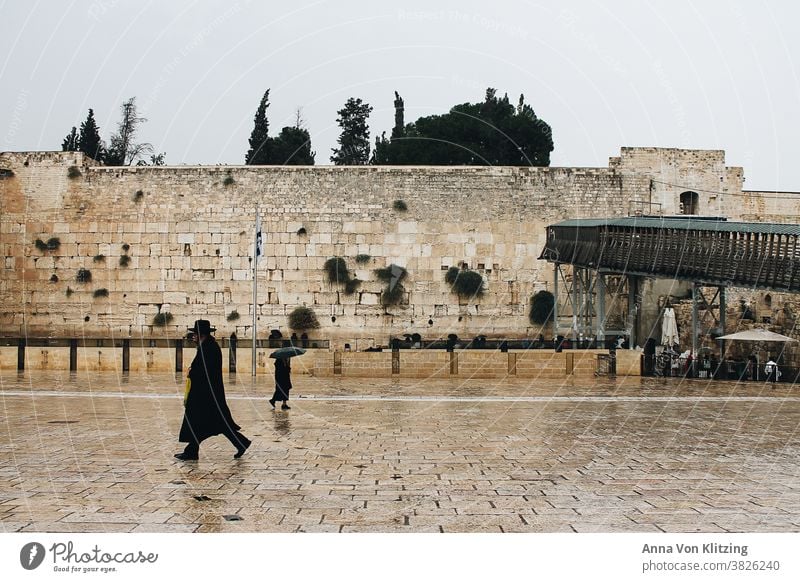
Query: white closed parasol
[{"x": 669, "y": 328}]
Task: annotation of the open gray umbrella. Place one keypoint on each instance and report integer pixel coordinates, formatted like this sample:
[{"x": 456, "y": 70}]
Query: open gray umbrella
[
  {"x": 287, "y": 352},
  {"x": 757, "y": 335}
]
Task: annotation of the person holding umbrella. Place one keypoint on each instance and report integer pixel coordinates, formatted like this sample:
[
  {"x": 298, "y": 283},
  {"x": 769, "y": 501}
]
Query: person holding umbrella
[
  {"x": 206, "y": 412},
  {"x": 283, "y": 374}
]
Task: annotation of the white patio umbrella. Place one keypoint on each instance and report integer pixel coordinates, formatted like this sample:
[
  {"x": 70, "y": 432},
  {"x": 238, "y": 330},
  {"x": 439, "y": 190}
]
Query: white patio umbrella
[
  {"x": 669, "y": 328},
  {"x": 757, "y": 335}
]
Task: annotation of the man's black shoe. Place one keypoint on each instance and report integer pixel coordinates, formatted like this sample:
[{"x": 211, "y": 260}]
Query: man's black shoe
[
  {"x": 185, "y": 457},
  {"x": 240, "y": 451},
  {"x": 272, "y": 403},
  {"x": 286, "y": 407}
]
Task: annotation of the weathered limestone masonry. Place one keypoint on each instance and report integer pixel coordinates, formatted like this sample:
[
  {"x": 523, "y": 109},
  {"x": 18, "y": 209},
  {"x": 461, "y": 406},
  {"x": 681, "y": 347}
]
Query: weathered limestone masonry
[{"x": 189, "y": 231}]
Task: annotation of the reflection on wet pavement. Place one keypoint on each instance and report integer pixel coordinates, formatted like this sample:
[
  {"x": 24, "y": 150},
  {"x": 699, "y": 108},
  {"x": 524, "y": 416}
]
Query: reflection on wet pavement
[{"x": 94, "y": 453}]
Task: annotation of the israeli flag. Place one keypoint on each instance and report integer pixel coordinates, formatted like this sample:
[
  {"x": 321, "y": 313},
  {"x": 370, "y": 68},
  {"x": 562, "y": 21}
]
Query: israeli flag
[{"x": 259, "y": 242}]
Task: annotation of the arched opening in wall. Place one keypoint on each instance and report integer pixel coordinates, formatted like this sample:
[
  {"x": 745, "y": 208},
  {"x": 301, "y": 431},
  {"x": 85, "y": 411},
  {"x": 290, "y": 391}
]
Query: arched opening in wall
[
  {"x": 690, "y": 203},
  {"x": 768, "y": 300}
]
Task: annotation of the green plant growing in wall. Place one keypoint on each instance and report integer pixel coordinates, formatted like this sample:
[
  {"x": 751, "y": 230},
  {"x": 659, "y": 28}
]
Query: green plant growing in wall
[
  {"x": 352, "y": 286},
  {"x": 336, "y": 270},
  {"x": 338, "y": 274},
  {"x": 73, "y": 172},
  {"x": 301, "y": 231},
  {"x": 233, "y": 316},
  {"x": 83, "y": 276},
  {"x": 399, "y": 205},
  {"x": 303, "y": 318},
  {"x": 393, "y": 294},
  {"x": 99, "y": 258},
  {"x": 52, "y": 244},
  {"x": 69, "y": 292},
  {"x": 464, "y": 283},
  {"x": 126, "y": 247},
  {"x": 393, "y": 276},
  {"x": 137, "y": 197},
  {"x": 542, "y": 304},
  {"x": 124, "y": 261},
  {"x": 103, "y": 292},
  {"x": 162, "y": 319},
  {"x": 228, "y": 181},
  {"x": 451, "y": 275},
  {"x": 363, "y": 258},
  {"x": 54, "y": 278}
]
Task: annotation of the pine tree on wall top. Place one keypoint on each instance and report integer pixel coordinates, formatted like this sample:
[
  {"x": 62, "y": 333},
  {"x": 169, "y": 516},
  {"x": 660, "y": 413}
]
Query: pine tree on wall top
[
  {"x": 292, "y": 147},
  {"x": 354, "y": 143},
  {"x": 258, "y": 154},
  {"x": 70, "y": 143},
  {"x": 90, "y": 142}
]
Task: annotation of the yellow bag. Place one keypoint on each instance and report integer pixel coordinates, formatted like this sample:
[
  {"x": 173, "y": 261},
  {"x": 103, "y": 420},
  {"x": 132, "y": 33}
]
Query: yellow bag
[{"x": 186, "y": 392}]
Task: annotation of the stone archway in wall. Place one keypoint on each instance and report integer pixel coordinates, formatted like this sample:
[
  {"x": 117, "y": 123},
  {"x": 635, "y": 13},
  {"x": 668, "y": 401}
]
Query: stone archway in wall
[{"x": 690, "y": 203}]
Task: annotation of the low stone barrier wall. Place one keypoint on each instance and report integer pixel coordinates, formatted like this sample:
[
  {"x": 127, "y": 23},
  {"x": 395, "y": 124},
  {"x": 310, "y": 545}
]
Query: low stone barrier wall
[{"x": 544, "y": 364}]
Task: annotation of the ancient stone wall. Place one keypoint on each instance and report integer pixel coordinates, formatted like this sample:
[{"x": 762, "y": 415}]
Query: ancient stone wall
[{"x": 188, "y": 234}]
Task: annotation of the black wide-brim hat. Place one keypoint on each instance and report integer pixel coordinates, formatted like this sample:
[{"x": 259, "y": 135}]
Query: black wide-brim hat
[{"x": 202, "y": 327}]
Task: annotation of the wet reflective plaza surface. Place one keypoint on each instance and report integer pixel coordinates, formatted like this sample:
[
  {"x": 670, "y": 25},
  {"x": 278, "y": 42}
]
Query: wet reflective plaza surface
[{"x": 94, "y": 453}]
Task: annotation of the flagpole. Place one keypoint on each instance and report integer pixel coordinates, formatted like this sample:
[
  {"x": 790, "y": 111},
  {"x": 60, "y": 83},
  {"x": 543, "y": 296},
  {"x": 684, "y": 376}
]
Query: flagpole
[{"x": 255, "y": 292}]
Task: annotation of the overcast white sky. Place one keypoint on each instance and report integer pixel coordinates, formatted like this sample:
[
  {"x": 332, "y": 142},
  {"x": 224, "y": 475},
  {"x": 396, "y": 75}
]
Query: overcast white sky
[{"x": 716, "y": 75}]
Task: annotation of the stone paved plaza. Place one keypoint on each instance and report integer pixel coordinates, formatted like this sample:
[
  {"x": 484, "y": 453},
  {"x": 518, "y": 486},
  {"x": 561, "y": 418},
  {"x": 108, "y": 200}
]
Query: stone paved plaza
[{"x": 93, "y": 453}]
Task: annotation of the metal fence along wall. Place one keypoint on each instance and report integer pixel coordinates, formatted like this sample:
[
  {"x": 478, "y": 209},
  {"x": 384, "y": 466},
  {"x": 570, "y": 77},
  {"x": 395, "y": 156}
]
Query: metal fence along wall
[{"x": 713, "y": 252}]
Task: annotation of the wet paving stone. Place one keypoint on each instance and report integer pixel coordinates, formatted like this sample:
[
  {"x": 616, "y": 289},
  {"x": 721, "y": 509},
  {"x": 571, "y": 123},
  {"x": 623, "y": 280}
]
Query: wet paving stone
[{"x": 94, "y": 454}]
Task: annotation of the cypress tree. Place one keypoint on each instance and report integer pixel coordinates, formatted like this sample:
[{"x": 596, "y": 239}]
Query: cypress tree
[
  {"x": 70, "y": 143},
  {"x": 90, "y": 142},
  {"x": 259, "y": 152},
  {"x": 354, "y": 139}
]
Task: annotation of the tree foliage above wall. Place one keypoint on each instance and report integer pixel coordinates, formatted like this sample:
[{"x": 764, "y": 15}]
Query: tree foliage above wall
[
  {"x": 491, "y": 133},
  {"x": 292, "y": 147}
]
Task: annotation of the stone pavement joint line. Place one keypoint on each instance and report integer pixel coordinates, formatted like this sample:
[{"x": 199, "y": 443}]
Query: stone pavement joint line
[{"x": 94, "y": 454}]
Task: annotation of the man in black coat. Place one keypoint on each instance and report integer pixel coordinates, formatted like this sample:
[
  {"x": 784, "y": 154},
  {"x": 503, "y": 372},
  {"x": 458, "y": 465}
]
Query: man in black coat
[
  {"x": 283, "y": 382},
  {"x": 206, "y": 412}
]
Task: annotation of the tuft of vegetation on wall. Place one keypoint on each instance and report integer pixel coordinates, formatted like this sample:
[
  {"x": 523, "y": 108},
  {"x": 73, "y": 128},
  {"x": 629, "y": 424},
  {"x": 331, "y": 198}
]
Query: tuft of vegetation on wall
[
  {"x": 162, "y": 319},
  {"x": 233, "y": 316},
  {"x": 336, "y": 270},
  {"x": 103, "y": 292},
  {"x": 542, "y": 304},
  {"x": 464, "y": 283},
  {"x": 83, "y": 276},
  {"x": 393, "y": 276},
  {"x": 52, "y": 244},
  {"x": 338, "y": 274},
  {"x": 303, "y": 318}
]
